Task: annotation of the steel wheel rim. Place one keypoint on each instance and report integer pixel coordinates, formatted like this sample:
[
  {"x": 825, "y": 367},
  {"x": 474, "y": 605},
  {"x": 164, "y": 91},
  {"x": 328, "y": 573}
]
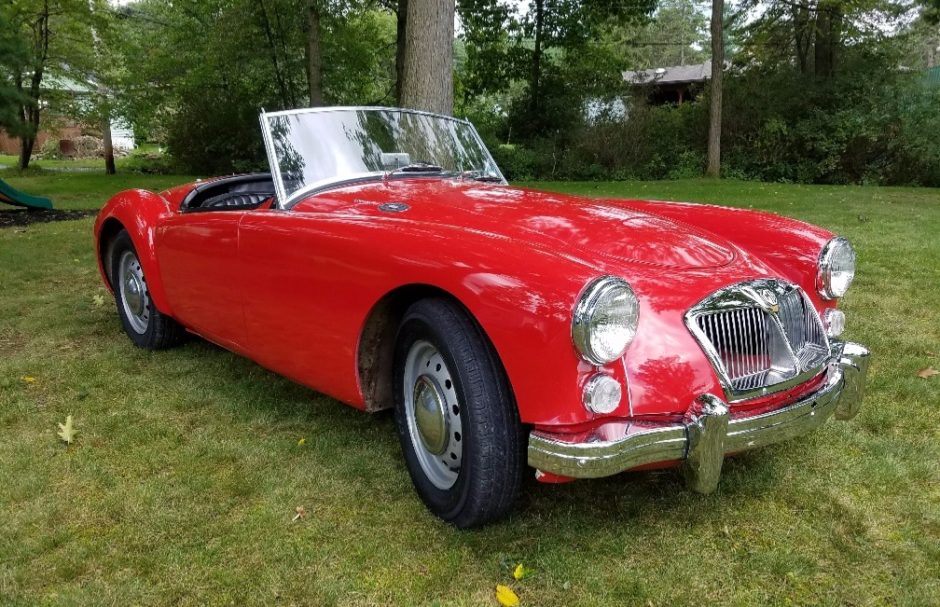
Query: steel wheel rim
[
  {"x": 433, "y": 414},
  {"x": 134, "y": 296}
]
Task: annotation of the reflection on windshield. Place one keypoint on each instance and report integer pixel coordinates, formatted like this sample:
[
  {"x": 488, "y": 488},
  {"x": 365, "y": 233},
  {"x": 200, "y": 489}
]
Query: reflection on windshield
[{"x": 315, "y": 148}]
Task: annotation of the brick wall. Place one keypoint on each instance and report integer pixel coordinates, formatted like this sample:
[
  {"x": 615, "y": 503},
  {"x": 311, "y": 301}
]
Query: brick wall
[{"x": 11, "y": 145}]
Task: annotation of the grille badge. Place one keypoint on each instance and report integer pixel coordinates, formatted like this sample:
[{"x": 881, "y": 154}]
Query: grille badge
[
  {"x": 769, "y": 297},
  {"x": 770, "y": 300}
]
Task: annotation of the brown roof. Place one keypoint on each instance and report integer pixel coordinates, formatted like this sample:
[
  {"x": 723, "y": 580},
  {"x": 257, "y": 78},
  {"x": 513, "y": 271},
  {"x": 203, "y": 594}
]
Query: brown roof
[{"x": 676, "y": 74}]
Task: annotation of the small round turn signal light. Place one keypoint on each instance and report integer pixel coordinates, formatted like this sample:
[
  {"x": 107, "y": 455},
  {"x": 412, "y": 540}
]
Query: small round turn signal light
[
  {"x": 602, "y": 394},
  {"x": 835, "y": 322}
]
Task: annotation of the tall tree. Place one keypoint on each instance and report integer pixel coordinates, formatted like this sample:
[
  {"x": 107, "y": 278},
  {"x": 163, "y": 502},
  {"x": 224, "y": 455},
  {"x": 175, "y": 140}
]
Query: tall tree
[
  {"x": 29, "y": 84},
  {"x": 104, "y": 103},
  {"x": 52, "y": 36},
  {"x": 14, "y": 55},
  {"x": 713, "y": 168},
  {"x": 401, "y": 13},
  {"x": 427, "y": 81},
  {"x": 314, "y": 54}
]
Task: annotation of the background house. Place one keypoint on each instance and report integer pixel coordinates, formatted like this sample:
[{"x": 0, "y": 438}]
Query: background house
[
  {"x": 66, "y": 101},
  {"x": 673, "y": 84}
]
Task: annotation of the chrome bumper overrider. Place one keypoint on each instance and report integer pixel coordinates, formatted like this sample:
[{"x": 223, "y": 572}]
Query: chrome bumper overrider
[{"x": 709, "y": 432}]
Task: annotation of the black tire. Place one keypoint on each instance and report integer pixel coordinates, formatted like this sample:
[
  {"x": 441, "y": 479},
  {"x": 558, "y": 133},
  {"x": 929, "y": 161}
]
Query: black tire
[
  {"x": 493, "y": 443},
  {"x": 161, "y": 331}
]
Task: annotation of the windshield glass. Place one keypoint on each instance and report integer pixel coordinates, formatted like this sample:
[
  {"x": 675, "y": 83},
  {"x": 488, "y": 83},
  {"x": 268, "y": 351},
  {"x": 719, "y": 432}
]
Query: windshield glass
[{"x": 309, "y": 149}]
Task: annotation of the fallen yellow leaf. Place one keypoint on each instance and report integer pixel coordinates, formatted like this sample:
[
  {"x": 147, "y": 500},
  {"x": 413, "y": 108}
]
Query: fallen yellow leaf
[
  {"x": 506, "y": 597},
  {"x": 302, "y": 442},
  {"x": 927, "y": 372},
  {"x": 520, "y": 572},
  {"x": 29, "y": 379},
  {"x": 67, "y": 431}
]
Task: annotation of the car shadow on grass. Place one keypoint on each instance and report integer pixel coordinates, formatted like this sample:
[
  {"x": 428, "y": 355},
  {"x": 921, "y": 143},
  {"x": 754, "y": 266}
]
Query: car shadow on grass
[{"x": 251, "y": 391}]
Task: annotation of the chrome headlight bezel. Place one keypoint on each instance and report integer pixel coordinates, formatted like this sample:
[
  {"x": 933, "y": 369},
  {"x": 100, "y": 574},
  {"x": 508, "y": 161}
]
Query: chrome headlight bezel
[
  {"x": 827, "y": 287},
  {"x": 583, "y": 328}
]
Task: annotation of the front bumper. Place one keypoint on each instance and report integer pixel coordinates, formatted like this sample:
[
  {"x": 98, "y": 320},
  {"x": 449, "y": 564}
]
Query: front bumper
[{"x": 708, "y": 433}]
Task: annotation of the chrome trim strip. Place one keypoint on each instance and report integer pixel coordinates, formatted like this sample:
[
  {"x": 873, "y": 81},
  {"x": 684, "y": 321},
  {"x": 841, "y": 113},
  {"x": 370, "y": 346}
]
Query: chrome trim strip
[
  {"x": 360, "y": 108},
  {"x": 708, "y": 433},
  {"x": 272, "y": 159}
]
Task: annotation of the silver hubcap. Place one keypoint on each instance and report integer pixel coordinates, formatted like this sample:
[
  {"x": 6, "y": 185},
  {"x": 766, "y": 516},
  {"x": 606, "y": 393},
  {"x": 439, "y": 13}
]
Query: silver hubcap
[
  {"x": 433, "y": 414},
  {"x": 134, "y": 296}
]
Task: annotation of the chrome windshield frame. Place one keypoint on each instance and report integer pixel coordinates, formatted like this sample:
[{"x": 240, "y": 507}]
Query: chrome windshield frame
[{"x": 285, "y": 202}]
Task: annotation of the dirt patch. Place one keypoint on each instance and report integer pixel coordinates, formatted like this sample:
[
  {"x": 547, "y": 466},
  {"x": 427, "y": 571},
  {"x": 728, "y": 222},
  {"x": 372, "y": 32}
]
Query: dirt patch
[{"x": 24, "y": 217}]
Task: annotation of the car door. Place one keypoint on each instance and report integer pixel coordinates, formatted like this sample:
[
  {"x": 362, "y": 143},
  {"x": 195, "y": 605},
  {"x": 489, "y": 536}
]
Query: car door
[
  {"x": 305, "y": 304},
  {"x": 198, "y": 258}
]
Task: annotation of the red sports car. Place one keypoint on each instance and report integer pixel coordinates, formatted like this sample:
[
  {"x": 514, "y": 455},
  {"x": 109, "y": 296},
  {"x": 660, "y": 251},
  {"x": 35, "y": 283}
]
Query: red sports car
[{"x": 385, "y": 262}]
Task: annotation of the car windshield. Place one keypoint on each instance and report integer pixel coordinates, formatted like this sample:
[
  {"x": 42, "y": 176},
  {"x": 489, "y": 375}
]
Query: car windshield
[{"x": 310, "y": 149}]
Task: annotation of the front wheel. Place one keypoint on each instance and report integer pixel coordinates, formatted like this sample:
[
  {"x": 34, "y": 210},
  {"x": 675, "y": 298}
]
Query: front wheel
[
  {"x": 458, "y": 425},
  {"x": 142, "y": 321}
]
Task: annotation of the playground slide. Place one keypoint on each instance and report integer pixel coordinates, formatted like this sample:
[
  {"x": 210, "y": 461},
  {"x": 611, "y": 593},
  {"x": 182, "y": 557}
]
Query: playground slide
[{"x": 11, "y": 195}]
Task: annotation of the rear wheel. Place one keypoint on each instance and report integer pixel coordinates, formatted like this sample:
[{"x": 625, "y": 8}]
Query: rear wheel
[
  {"x": 142, "y": 321},
  {"x": 457, "y": 421}
]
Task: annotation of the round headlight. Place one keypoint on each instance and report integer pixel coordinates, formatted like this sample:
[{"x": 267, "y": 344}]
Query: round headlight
[
  {"x": 605, "y": 320},
  {"x": 836, "y": 268}
]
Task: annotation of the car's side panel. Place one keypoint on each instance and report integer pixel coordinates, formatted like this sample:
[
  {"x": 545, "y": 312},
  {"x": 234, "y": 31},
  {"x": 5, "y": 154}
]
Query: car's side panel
[
  {"x": 314, "y": 279},
  {"x": 314, "y": 276},
  {"x": 199, "y": 265}
]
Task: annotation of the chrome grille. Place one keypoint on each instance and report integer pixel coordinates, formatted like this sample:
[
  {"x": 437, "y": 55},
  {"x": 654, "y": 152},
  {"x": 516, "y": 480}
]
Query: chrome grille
[
  {"x": 759, "y": 335},
  {"x": 802, "y": 328}
]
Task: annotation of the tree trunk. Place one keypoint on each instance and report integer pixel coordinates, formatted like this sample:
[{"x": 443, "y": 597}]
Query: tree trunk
[
  {"x": 29, "y": 111},
  {"x": 802, "y": 35},
  {"x": 535, "y": 77},
  {"x": 718, "y": 64},
  {"x": 109, "y": 168},
  {"x": 279, "y": 77},
  {"x": 314, "y": 55},
  {"x": 428, "y": 75},
  {"x": 828, "y": 40},
  {"x": 402, "y": 26},
  {"x": 26, "y": 151}
]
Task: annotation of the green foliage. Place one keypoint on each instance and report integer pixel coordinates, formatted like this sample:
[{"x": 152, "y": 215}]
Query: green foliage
[
  {"x": 196, "y": 78},
  {"x": 864, "y": 117},
  {"x": 14, "y": 54}
]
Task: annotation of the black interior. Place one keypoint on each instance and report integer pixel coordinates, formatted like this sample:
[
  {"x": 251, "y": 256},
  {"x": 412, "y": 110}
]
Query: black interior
[{"x": 238, "y": 192}]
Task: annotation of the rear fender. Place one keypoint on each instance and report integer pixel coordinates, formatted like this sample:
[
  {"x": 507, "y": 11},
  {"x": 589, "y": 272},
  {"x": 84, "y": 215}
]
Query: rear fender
[{"x": 139, "y": 212}]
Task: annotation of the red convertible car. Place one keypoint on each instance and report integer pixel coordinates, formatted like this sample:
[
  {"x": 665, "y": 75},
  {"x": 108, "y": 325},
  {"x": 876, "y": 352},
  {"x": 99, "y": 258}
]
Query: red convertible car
[{"x": 385, "y": 261}]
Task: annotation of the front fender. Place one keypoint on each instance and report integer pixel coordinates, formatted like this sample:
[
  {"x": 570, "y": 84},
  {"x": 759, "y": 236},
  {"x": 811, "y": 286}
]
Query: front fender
[{"x": 139, "y": 212}]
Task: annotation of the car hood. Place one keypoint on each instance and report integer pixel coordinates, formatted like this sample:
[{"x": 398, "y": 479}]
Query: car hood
[{"x": 585, "y": 228}]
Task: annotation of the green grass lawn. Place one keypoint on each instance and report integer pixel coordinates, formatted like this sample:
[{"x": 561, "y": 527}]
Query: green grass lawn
[
  {"x": 186, "y": 472},
  {"x": 135, "y": 158}
]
